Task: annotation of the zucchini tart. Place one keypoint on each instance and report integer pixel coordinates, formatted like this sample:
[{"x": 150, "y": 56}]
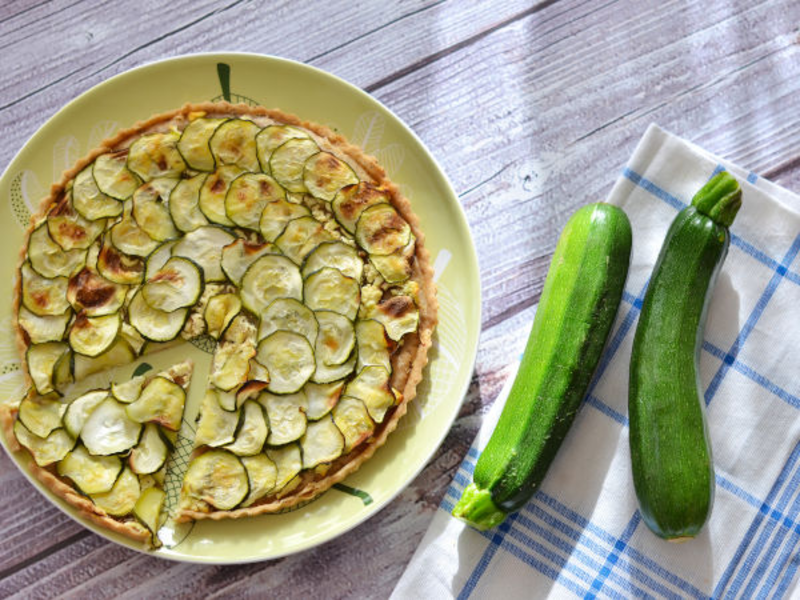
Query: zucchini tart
[{"x": 285, "y": 249}]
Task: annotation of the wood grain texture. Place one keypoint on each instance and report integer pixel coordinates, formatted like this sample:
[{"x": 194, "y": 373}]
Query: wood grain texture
[{"x": 532, "y": 110}]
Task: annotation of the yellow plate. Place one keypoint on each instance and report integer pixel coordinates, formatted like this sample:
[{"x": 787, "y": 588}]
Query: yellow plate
[{"x": 313, "y": 95}]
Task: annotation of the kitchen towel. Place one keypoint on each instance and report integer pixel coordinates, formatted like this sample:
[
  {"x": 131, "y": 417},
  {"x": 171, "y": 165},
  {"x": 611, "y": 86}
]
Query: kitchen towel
[{"x": 582, "y": 534}]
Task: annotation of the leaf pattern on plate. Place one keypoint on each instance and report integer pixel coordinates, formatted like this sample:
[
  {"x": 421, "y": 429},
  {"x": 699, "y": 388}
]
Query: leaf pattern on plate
[{"x": 368, "y": 131}]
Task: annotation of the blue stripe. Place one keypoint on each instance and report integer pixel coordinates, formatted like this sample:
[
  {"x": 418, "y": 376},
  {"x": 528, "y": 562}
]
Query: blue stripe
[
  {"x": 494, "y": 543},
  {"x": 785, "y": 555},
  {"x": 734, "y": 489},
  {"x": 752, "y": 177},
  {"x": 788, "y": 577},
  {"x": 604, "y": 408},
  {"x": 613, "y": 556}
]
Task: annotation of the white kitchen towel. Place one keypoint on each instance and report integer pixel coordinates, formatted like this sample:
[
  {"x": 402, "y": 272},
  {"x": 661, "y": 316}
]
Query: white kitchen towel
[{"x": 582, "y": 534}]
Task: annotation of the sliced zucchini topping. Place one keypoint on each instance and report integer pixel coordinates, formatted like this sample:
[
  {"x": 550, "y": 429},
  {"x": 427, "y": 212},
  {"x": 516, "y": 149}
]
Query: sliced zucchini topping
[
  {"x": 371, "y": 386},
  {"x": 42, "y": 360},
  {"x": 289, "y": 462},
  {"x": 194, "y": 146},
  {"x": 337, "y": 255},
  {"x": 151, "y": 209},
  {"x": 353, "y": 420},
  {"x": 276, "y": 215},
  {"x": 154, "y": 324},
  {"x": 352, "y": 200},
  {"x": 247, "y": 196},
  {"x": 240, "y": 254},
  {"x": 41, "y": 414},
  {"x": 89, "y": 201},
  {"x": 300, "y": 237},
  {"x": 127, "y": 237},
  {"x": 220, "y": 311},
  {"x": 287, "y": 162},
  {"x": 178, "y": 284},
  {"x": 112, "y": 176},
  {"x": 325, "y": 373},
  {"x": 130, "y": 390},
  {"x": 251, "y": 389},
  {"x": 228, "y": 400},
  {"x": 330, "y": 289},
  {"x": 109, "y": 430},
  {"x": 150, "y": 453},
  {"x": 374, "y": 346},
  {"x": 120, "y": 353},
  {"x": 120, "y": 499},
  {"x": 118, "y": 267},
  {"x": 289, "y": 359},
  {"x": 79, "y": 410},
  {"x": 44, "y": 328},
  {"x": 215, "y": 426},
  {"x": 48, "y": 258},
  {"x": 234, "y": 143},
  {"x": 45, "y": 451},
  {"x": 397, "y": 266},
  {"x": 270, "y": 277},
  {"x": 184, "y": 207},
  {"x": 272, "y": 136},
  {"x": 252, "y": 431},
  {"x": 231, "y": 363},
  {"x": 321, "y": 443},
  {"x": 43, "y": 296},
  {"x": 217, "y": 478},
  {"x": 69, "y": 229},
  {"x": 324, "y": 175},
  {"x": 204, "y": 247},
  {"x": 380, "y": 230},
  {"x": 322, "y": 397},
  {"x": 148, "y": 509},
  {"x": 156, "y": 155},
  {"x": 161, "y": 401},
  {"x": 93, "y": 295},
  {"x": 132, "y": 338},
  {"x": 92, "y": 474},
  {"x": 399, "y": 316},
  {"x": 213, "y": 192},
  {"x": 262, "y": 475},
  {"x": 158, "y": 258},
  {"x": 336, "y": 338},
  {"x": 286, "y": 415},
  {"x": 290, "y": 315},
  {"x": 91, "y": 336},
  {"x": 63, "y": 372}
]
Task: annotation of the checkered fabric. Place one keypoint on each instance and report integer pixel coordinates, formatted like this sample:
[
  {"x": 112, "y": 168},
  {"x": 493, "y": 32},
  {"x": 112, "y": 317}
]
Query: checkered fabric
[{"x": 582, "y": 533}]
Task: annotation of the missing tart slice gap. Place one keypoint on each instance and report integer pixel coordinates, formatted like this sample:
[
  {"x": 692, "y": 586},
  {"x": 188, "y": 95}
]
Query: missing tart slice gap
[{"x": 274, "y": 239}]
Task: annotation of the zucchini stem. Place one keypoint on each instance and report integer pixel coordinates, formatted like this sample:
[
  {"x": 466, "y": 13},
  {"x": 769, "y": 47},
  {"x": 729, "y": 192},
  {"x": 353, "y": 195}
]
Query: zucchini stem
[
  {"x": 719, "y": 199},
  {"x": 477, "y": 508}
]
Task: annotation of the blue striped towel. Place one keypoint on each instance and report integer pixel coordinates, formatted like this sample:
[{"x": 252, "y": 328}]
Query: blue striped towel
[{"x": 582, "y": 534}]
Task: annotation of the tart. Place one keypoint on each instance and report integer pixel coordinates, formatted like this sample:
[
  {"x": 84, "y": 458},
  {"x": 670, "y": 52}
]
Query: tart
[{"x": 274, "y": 242}]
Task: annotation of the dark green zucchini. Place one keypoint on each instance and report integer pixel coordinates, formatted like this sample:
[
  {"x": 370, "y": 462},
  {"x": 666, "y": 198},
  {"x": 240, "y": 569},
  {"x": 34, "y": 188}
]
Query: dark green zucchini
[
  {"x": 670, "y": 453},
  {"x": 575, "y": 315}
]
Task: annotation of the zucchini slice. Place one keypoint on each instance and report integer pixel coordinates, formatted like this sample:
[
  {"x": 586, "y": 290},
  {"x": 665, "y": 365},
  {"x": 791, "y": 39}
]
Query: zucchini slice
[
  {"x": 336, "y": 338},
  {"x": 93, "y": 295},
  {"x": 150, "y": 453},
  {"x": 91, "y": 336},
  {"x": 204, "y": 247},
  {"x": 219, "y": 312},
  {"x": 270, "y": 277},
  {"x": 399, "y": 315},
  {"x": 120, "y": 353},
  {"x": 154, "y": 324},
  {"x": 151, "y": 208},
  {"x": 289, "y": 461},
  {"x": 322, "y": 397},
  {"x": 194, "y": 146},
  {"x": 353, "y": 420},
  {"x": 158, "y": 258},
  {"x": 42, "y": 360},
  {"x": 130, "y": 390},
  {"x": 69, "y": 229},
  {"x": 112, "y": 176},
  {"x": 325, "y": 373},
  {"x": 234, "y": 143},
  {"x": 381, "y": 230},
  {"x": 290, "y": 315},
  {"x": 374, "y": 346},
  {"x": 324, "y": 175},
  {"x": 89, "y": 201},
  {"x": 250, "y": 390},
  {"x": 289, "y": 359},
  {"x": 44, "y": 328},
  {"x": 261, "y": 474},
  {"x": 213, "y": 191},
  {"x": 120, "y": 499},
  {"x": 272, "y": 136},
  {"x": 79, "y": 410},
  {"x": 45, "y": 451},
  {"x": 118, "y": 267},
  {"x": 287, "y": 162},
  {"x": 44, "y": 296},
  {"x": 109, "y": 430},
  {"x": 41, "y": 414},
  {"x": 90, "y": 473},
  {"x": 321, "y": 443},
  {"x": 217, "y": 478},
  {"x": 156, "y": 155},
  {"x": 300, "y": 237},
  {"x": 48, "y": 258},
  {"x": 276, "y": 215},
  {"x": 231, "y": 363},
  {"x": 337, "y": 255},
  {"x": 397, "y": 266},
  {"x": 215, "y": 425},
  {"x": 371, "y": 386},
  {"x": 148, "y": 510},
  {"x": 247, "y": 196},
  {"x": 286, "y": 415},
  {"x": 178, "y": 284},
  {"x": 240, "y": 254},
  {"x": 63, "y": 372},
  {"x": 184, "y": 204},
  {"x": 352, "y": 200},
  {"x": 252, "y": 431},
  {"x": 132, "y": 337},
  {"x": 127, "y": 237},
  {"x": 330, "y": 289},
  {"x": 161, "y": 401}
]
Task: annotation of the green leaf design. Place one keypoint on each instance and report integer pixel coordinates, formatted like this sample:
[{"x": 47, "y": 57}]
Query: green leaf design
[
  {"x": 18, "y": 206},
  {"x": 365, "y": 497},
  {"x": 204, "y": 342},
  {"x": 142, "y": 368}
]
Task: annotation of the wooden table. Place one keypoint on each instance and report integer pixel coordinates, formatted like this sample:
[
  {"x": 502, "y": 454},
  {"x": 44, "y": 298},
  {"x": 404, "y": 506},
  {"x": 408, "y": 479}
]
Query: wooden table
[{"x": 532, "y": 110}]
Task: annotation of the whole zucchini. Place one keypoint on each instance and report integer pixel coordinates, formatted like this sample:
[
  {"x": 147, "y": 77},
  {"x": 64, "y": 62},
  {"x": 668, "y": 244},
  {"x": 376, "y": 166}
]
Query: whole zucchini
[
  {"x": 577, "y": 309},
  {"x": 671, "y": 460}
]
